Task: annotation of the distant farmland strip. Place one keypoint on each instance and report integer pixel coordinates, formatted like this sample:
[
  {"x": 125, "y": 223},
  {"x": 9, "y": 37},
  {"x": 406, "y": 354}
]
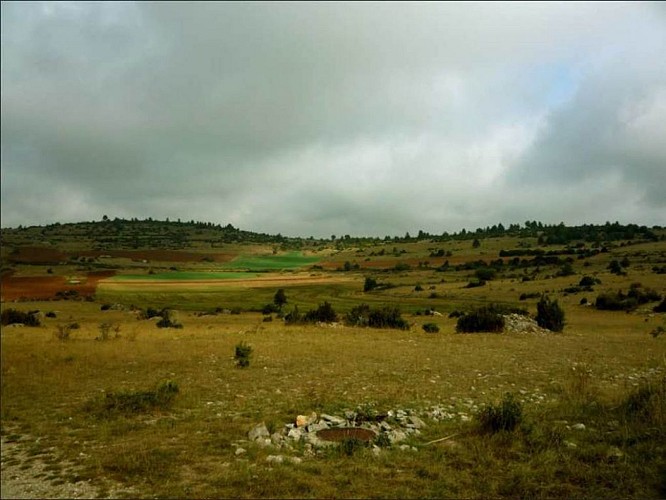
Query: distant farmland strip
[
  {"x": 184, "y": 276},
  {"x": 271, "y": 262}
]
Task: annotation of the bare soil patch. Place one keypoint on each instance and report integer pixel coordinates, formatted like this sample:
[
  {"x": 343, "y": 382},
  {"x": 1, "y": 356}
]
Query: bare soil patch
[{"x": 46, "y": 287}]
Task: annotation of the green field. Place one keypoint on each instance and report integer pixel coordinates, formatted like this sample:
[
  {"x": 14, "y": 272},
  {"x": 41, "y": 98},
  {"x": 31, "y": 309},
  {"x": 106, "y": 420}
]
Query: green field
[{"x": 291, "y": 260}]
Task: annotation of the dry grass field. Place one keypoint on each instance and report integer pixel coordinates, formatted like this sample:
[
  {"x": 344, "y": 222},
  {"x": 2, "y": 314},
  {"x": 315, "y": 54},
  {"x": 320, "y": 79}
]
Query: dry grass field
[{"x": 592, "y": 399}]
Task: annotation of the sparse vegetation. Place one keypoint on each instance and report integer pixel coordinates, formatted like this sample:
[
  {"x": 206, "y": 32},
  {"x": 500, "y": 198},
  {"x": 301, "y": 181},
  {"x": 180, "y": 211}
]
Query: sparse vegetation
[{"x": 505, "y": 416}]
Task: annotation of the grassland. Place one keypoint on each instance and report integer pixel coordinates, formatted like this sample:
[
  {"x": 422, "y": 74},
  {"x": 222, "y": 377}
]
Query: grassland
[{"x": 605, "y": 371}]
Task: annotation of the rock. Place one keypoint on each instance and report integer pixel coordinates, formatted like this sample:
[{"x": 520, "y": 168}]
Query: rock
[
  {"x": 240, "y": 451},
  {"x": 295, "y": 434},
  {"x": 303, "y": 421},
  {"x": 277, "y": 438},
  {"x": 332, "y": 419},
  {"x": 417, "y": 422},
  {"x": 395, "y": 436},
  {"x": 578, "y": 427},
  {"x": 275, "y": 459},
  {"x": 376, "y": 450},
  {"x": 570, "y": 444},
  {"x": 260, "y": 431},
  {"x": 385, "y": 426},
  {"x": 317, "y": 426}
]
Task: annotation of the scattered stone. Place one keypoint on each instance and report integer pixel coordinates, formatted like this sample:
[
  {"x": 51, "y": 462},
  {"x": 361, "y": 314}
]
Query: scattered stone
[
  {"x": 240, "y": 451},
  {"x": 295, "y": 434},
  {"x": 333, "y": 420},
  {"x": 395, "y": 436},
  {"x": 570, "y": 444},
  {"x": 614, "y": 453},
  {"x": 260, "y": 431},
  {"x": 578, "y": 427},
  {"x": 417, "y": 422}
]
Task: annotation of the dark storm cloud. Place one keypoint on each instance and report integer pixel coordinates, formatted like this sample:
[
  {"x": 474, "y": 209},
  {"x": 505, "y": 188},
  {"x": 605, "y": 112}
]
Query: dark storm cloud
[{"x": 321, "y": 118}]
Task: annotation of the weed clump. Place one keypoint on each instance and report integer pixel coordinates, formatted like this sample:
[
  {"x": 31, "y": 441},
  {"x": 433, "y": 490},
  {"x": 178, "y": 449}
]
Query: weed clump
[
  {"x": 242, "y": 355},
  {"x": 132, "y": 402},
  {"x": 483, "y": 319},
  {"x": 505, "y": 416}
]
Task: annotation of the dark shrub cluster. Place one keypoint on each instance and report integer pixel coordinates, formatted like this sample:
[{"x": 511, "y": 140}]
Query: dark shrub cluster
[
  {"x": 620, "y": 301},
  {"x": 430, "y": 328},
  {"x": 484, "y": 319},
  {"x": 167, "y": 320},
  {"x": 323, "y": 314},
  {"x": 661, "y": 307},
  {"x": 550, "y": 315},
  {"x": 370, "y": 284},
  {"x": 13, "y": 316},
  {"x": 386, "y": 317},
  {"x": 530, "y": 295}
]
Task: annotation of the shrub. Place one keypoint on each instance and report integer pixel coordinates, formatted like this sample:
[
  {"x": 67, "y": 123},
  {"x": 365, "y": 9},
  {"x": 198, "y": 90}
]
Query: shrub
[
  {"x": 475, "y": 284},
  {"x": 270, "y": 309},
  {"x": 280, "y": 299},
  {"x": 530, "y": 295},
  {"x": 13, "y": 316},
  {"x": 50, "y": 314},
  {"x": 588, "y": 281},
  {"x": 242, "y": 355},
  {"x": 370, "y": 284},
  {"x": 485, "y": 273},
  {"x": 484, "y": 319},
  {"x": 550, "y": 315},
  {"x": 583, "y": 301},
  {"x": 503, "y": 417},
  {"x": 386, "y": 317},
  {"x": 430, "y": 328},
  {"x": 418, "y": 288},
  {"x": 63, "y": 332},
  {"x": 661, "y": 307},
  {"x": 168, "y": 320},
  {"x": 293, "y": 317},
  {"x": 129, "y": 402},
  {"x": 105, "y": 307},
  {"x": 323, "y": 314},
  {"x": 105, "y": 331}
]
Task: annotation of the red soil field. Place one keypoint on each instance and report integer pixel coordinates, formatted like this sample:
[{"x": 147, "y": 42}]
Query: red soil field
[
  {"x": 45, "y": 287},
  {"x": 38, "y": 255},
  {"x": 159, "y": 255}
]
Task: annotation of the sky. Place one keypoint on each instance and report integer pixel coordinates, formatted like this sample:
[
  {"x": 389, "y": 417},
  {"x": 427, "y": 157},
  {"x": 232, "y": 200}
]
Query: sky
[{"x": 339, "y": 118}]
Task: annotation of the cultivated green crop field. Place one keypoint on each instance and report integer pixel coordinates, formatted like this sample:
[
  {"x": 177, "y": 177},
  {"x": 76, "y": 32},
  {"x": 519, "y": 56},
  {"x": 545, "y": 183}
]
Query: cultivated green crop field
[{"x": 290, "y": 260}]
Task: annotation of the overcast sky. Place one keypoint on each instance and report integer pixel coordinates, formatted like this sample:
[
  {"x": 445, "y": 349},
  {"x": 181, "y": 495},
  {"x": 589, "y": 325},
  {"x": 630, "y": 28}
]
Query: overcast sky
[{"x": 334, "y": 118}]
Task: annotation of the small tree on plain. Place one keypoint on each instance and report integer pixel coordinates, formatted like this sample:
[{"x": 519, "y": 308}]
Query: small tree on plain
[
  {"x": 550, "y": 315},
  {"x": 280, "y": 298}
]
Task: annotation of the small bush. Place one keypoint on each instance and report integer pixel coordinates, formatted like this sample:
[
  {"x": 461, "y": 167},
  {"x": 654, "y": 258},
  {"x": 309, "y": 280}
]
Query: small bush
[
  {"x": 370, "y": 284},
  {"x": 418, "y": 288},
  {"x": 323, "y": 314},
  {"x": 293, "y": 317},
  {"x": 531, "y": 295},
  {"x": 386, "y": 317},
  {"x": 105, "y": 330},
  {"x": 550, "y": 315},
  {"x": 63, "y": 332},
  {"x": 105, "y": 307},
  {"x": 131, "y": 402},
  {"x": 430, "y": 328},
  {"x": 50, "y": 314},
  {"x": 588, "y": 281},
  {"x": 270, "y": 309},
  {"x": 475, "y": 284},
  {"x": 503, "y": 417},
  {"x": 485, "y": 273},
  {"x": 168, "y": 320},
  {"x": 661, "y": 307},
  {"x": 484, "y": 319},
  {"x": 243, "y": 353},
  {"x": 13, "y": 316},
  {"x": 350, "y": 446}
]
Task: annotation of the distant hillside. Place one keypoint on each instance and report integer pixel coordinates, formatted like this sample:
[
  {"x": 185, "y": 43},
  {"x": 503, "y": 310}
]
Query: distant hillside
[{"x": 134, "y": 234}]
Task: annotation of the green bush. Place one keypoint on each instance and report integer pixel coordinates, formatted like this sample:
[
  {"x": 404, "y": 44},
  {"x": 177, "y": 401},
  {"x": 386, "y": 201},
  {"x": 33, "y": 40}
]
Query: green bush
[
  {"x": 13, "y": 316},
  {"x": 323, "y": 314},
  {"x": 483, "y": 319},
  {"x": 550, "y": 315},
  {"x": 370, "y": 284},
  {"x": 430, "y": 328},
  {"x": 386, "y": 317},
  {"x": 505, "y": 416},
  {"x": 485, "y": 273},
  {"x": 168, "y": 320},
  {"x": 242, "y": 355}
]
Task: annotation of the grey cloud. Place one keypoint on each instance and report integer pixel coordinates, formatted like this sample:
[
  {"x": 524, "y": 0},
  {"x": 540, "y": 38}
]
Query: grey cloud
[{"x": 318, "y": 118}]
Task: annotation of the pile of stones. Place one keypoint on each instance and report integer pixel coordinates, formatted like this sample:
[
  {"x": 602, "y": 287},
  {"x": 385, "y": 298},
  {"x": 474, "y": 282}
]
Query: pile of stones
[
  {"x": 321, "y": 431},
  {"x": 517, "y": 323}
]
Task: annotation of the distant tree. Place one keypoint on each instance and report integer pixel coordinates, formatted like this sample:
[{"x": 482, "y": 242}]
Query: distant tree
[
  {"x": 370, "y": 284},
  {"x": 280, "y": 298},
  {"x": 476, "y": 243}
]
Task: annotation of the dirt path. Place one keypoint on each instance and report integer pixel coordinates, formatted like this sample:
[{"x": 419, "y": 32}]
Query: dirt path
[{"x": 44, "y": 475}]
